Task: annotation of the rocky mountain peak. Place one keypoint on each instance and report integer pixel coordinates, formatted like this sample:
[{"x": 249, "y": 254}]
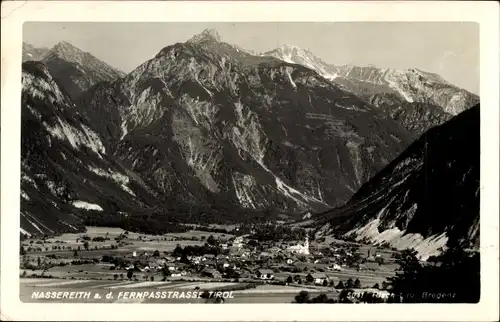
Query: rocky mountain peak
[
  {"x": 77, "y": 70},
  {"x": 288, "y": 51},
  {"x": 206, "y": 35},
  {"x": 66, "y": 47},
  {"x": 291, "y": 47},
  {"x": 295, "y": 55},
  {"x": 67, "y": 51}
]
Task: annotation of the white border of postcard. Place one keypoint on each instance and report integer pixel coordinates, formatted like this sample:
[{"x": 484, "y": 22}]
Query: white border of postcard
[{"x": 14, "y": 13}]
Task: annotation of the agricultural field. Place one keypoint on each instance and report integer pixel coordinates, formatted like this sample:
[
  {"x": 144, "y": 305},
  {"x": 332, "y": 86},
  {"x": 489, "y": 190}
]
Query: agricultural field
[
  {"x": 135, "y": 241},
  {"x": 72, "y": 244}
]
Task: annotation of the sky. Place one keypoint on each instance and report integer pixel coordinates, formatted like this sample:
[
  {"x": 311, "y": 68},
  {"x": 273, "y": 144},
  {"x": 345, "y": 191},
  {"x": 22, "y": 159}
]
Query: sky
[{"x": 450, "y": 49}]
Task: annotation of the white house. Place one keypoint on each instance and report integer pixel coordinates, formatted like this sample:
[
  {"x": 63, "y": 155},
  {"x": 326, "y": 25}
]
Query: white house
[
  {"x": 264, "y": 274},
  {"x": 238, "y": 242},
  {"x": 195, "y": 259},
  {"x": 171, "y": 266},
  {"x": 224, "y": 263},
  {"x": 336, "y": 267},
  {"x": 317, "y": 278}
]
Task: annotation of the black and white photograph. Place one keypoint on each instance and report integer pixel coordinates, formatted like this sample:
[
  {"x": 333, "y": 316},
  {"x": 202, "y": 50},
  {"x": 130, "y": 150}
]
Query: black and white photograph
[{"x": 250, "y": 162}]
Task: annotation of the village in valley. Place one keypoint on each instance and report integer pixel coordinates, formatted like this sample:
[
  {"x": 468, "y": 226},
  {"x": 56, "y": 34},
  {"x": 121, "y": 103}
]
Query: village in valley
[{"x": 259, "y": 263}]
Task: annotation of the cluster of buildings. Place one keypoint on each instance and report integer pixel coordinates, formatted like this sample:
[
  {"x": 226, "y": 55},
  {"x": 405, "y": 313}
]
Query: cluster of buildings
[{"x": 262, "y": 261}]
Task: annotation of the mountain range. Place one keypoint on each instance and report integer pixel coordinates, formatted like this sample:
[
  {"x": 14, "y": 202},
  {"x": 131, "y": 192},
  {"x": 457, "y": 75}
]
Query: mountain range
[
  {"x": 209, "y": 131},
  {"x": 416, "y": 99}
]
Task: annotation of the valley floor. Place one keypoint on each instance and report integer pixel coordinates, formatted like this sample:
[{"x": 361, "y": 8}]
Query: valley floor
[{"x": 63, "y": 274}]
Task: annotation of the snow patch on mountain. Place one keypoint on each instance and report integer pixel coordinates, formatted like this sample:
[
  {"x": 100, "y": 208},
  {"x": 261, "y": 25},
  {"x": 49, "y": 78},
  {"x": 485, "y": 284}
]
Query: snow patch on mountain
[
  {"x": 425, "y": 247},
  {"x": 295, "y": 55},
  {"x": 117, "y": 177},
  {"x": 121, "y": 179},
  {"x": 86, "y": 205}
]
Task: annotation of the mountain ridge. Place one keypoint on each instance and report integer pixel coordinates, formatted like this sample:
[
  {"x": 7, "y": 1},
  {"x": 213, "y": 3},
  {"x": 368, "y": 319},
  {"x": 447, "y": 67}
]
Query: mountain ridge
[
  {"x": 424, "y": 197},
  {"x": 403, "y": 95}
]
